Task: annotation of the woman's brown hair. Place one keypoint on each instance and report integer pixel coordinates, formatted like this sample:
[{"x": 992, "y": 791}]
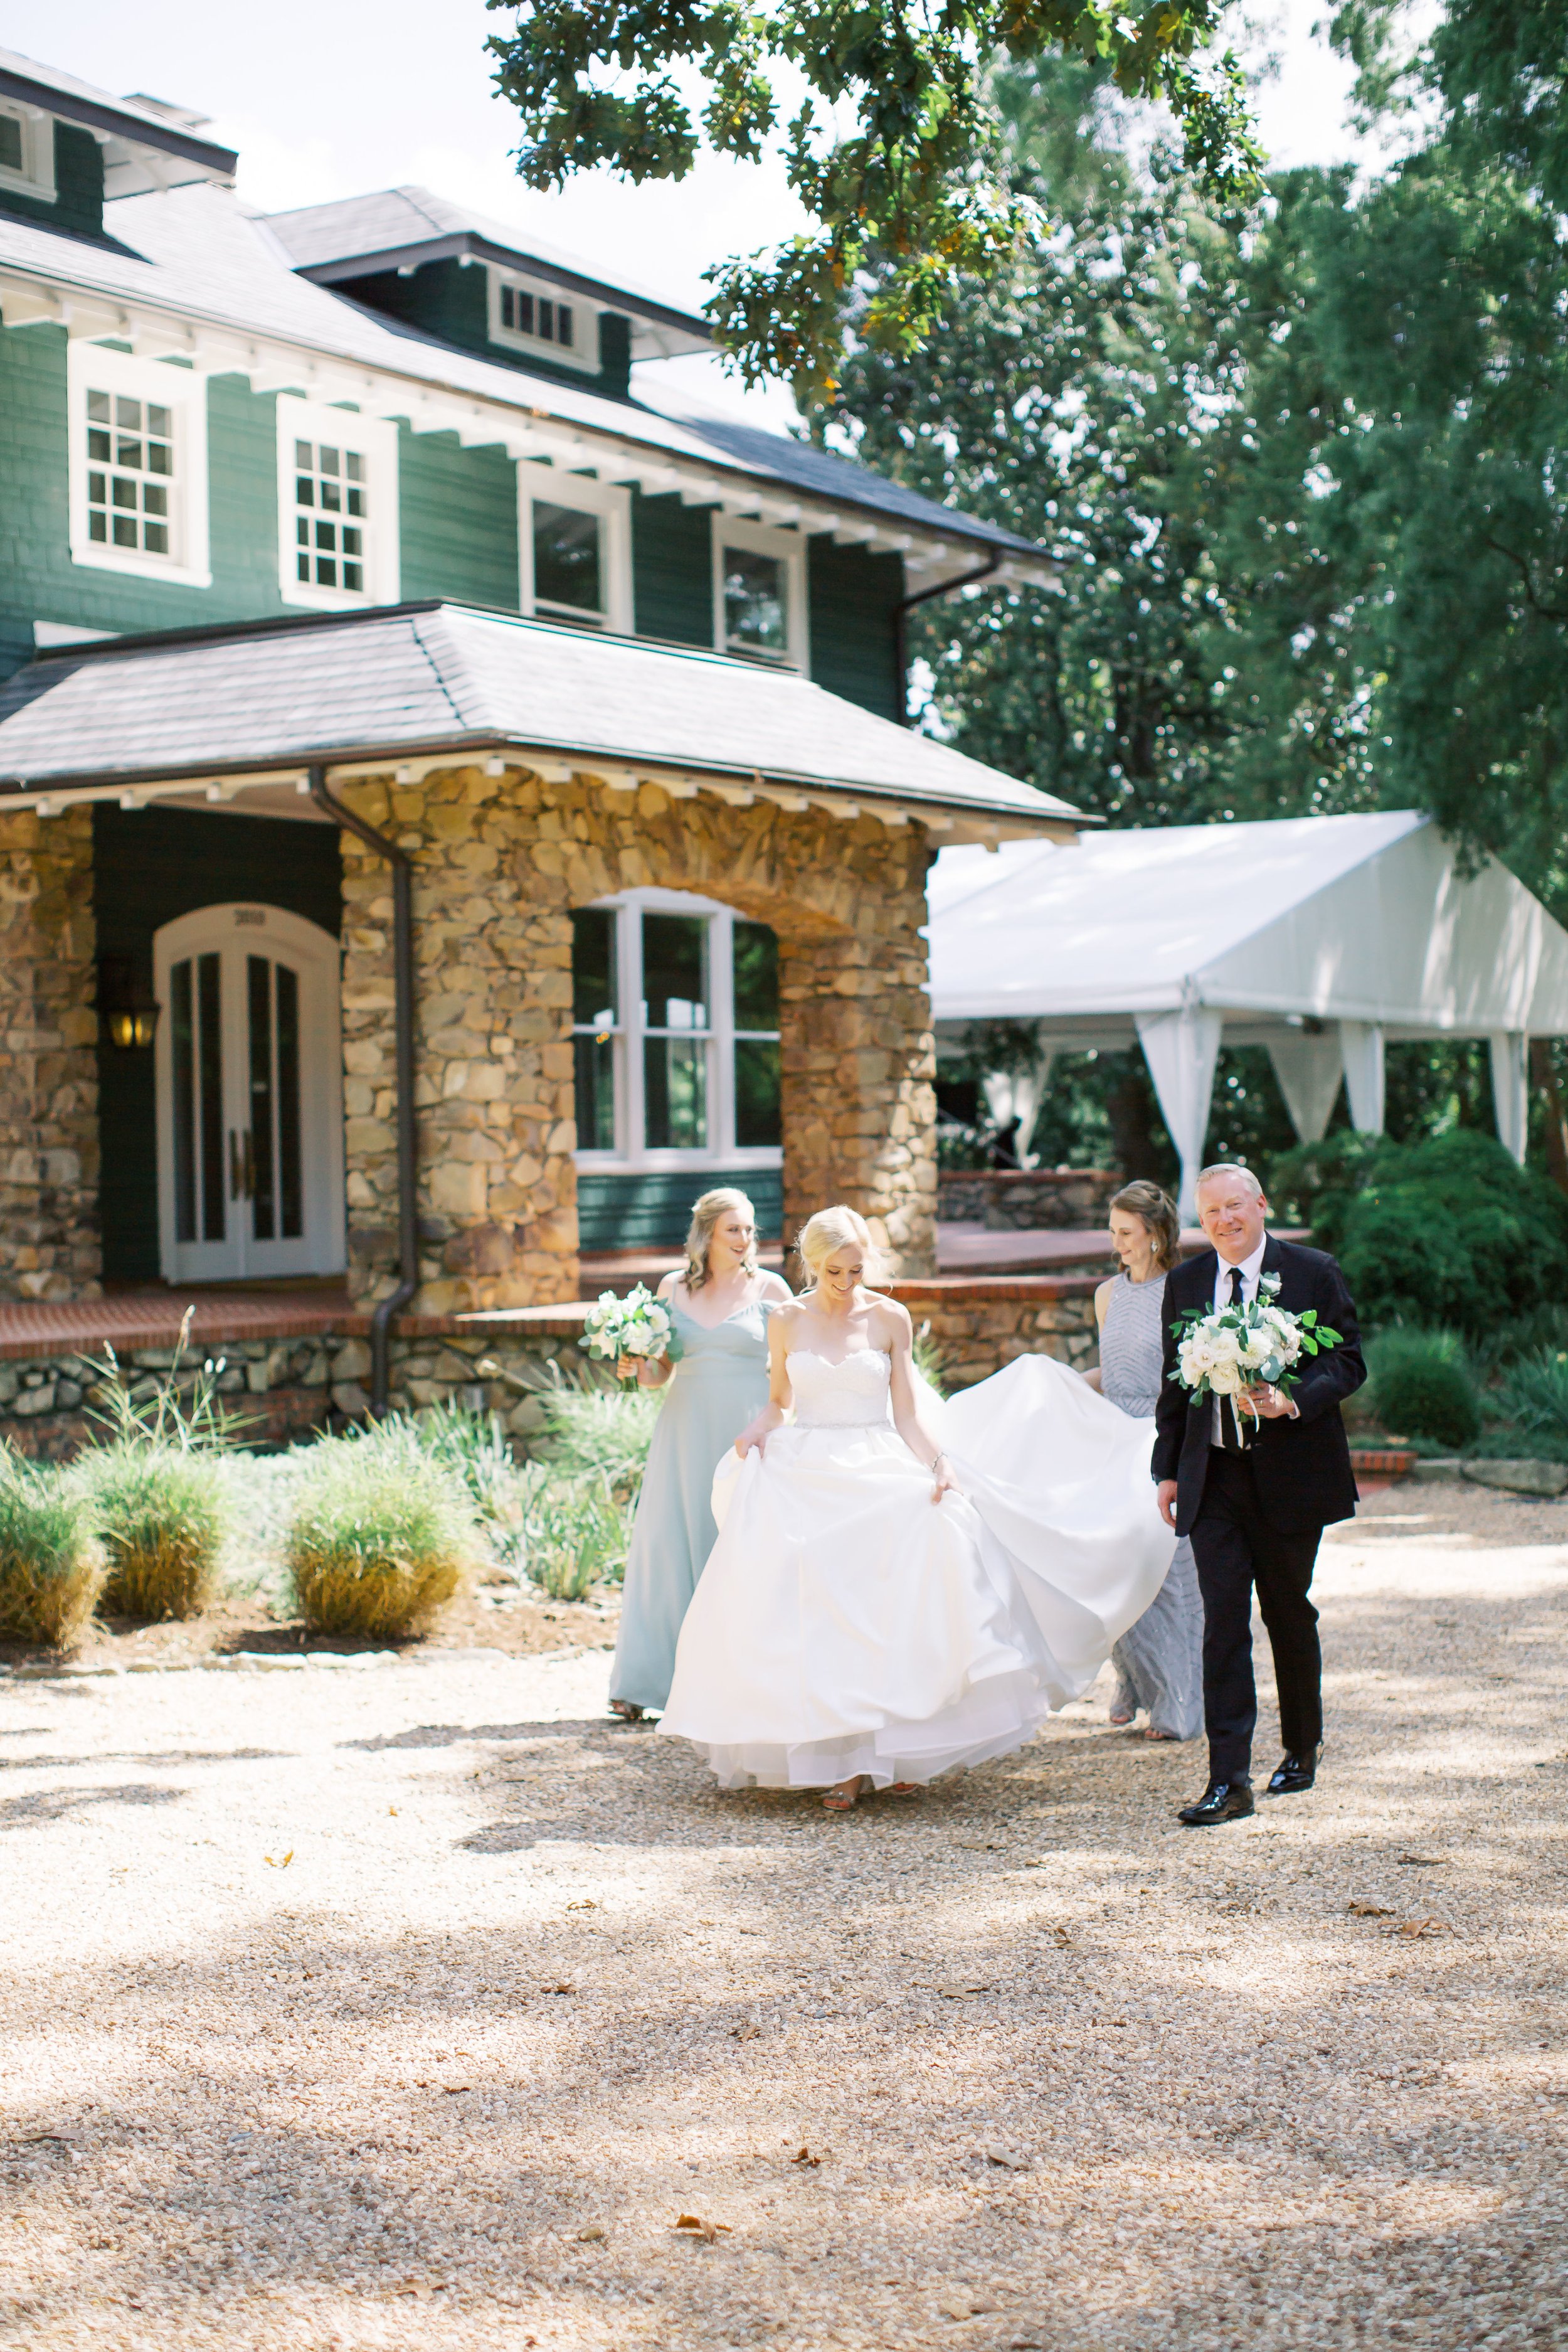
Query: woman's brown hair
[{"x": 1157, "y": 1212}]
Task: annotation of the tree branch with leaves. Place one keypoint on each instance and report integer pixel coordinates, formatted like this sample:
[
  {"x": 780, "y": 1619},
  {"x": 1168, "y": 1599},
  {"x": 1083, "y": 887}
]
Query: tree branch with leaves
[{"x": 893, "y": 149}]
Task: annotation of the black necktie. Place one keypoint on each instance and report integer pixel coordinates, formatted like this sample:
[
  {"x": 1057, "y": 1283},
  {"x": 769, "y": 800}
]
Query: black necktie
[{"x": 1229, "y": 1437}]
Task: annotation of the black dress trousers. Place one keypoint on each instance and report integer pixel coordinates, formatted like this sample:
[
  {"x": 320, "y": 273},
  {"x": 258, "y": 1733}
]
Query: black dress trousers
[{"x": 1235, "y": 1548}]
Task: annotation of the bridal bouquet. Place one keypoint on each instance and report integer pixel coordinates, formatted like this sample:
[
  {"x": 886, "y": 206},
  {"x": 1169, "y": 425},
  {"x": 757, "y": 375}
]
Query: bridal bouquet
[
  {"x": 1233, "y": 1349},
  {"x": 638, "y": 1325}
]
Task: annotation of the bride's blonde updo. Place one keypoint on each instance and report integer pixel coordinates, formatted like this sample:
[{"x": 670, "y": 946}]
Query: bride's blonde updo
[
  {"x": 829, "y": 1231},
  {"x": 705, "y": 1214}
]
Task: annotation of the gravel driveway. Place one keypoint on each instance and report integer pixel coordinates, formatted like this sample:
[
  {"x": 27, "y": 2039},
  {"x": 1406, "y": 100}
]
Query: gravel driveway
[{"x": 413, "y": 2003}]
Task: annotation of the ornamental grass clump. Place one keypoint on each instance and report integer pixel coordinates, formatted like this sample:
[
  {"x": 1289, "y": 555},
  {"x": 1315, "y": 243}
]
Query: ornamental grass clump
[
  {"x": 380, "y": 1536},
  {"x": 51, "y": 1563},
  {"x": 163, "y": 1518}
]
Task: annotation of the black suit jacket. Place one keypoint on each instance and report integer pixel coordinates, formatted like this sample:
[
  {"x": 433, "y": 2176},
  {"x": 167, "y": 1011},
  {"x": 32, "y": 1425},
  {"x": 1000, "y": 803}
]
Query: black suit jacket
[{"x": 1304, "y": 1477}]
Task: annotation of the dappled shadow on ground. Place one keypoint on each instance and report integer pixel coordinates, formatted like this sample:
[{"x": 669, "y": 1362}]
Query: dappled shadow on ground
[{"x": 1016, "y": 2061}]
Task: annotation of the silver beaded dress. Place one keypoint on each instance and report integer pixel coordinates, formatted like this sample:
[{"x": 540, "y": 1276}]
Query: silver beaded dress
[{"x": 1159, "y": 1659}]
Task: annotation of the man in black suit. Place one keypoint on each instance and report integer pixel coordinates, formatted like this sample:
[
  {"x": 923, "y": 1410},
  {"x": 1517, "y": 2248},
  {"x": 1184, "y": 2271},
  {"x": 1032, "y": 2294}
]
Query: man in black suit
[{"x": 1256, "y": 1509}]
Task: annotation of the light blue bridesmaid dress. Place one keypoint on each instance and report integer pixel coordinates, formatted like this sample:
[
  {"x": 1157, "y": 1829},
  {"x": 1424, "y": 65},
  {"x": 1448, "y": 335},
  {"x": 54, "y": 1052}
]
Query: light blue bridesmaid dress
[{"x": 719, "y": 1383}]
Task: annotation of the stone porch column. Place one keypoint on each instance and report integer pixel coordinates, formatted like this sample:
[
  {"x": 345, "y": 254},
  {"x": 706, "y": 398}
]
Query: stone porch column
[{"x": 49, "y": 1244}]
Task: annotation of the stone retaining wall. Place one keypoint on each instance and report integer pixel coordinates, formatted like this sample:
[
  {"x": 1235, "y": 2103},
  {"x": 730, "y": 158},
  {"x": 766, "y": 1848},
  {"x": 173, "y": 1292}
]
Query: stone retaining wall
[
  {"x": 291, "y": 1387},
  {"x": 1028, "y": 1200},
  {"x": 49, "y": 1060}
]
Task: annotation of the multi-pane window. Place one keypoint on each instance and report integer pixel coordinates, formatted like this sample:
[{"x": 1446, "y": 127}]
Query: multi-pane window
[
  {"x": 12, "y": 155},
  {"x": 331, "y": 514},
  {"x": 539, "y": 317},
  {"x": 574, "y": 535},
  {"x": 336, "y": 496},
  {"x": 546, "y": 320},
  {"x": 131, "y": 472},
  {"x": 675, "y": 1032},
  {"x": 760, "y": 592},
  {"x": 137, "y": 464}
]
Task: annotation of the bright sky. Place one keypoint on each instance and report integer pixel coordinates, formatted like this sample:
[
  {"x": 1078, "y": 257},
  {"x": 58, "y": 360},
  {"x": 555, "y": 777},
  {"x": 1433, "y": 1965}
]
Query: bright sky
[{"x": 326, "y": 99}]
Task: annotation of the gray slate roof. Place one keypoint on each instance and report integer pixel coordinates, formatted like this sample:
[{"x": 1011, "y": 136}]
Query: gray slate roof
[
  {"x": 198, "y": 253},
  {"x": 131, "y": 119},
  {"x": 419, "y": 678},
  {"x": 394, "y": 223}
]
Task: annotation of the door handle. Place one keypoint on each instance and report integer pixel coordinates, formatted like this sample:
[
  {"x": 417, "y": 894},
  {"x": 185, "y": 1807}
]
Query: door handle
[
  {"x": 236, "y": 1168},
  {"x": 250, "y": 1165}
]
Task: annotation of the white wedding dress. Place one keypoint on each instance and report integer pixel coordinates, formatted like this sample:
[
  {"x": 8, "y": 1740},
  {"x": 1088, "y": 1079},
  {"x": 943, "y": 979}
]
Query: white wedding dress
[{"x": 845, "y": 1623}]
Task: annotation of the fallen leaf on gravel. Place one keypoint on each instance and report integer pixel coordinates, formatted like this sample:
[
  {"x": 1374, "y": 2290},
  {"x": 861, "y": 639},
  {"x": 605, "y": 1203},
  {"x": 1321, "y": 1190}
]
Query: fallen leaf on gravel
[
  {"x": 589, "y": 2237},
  {"x": 452, "y": 2089},
  {"x": 278, "y": 1862},
  {"x": 1371, "y": 1911},
  {"x": 806, "y": 2156},
  {"x": 392, "y": 1810},
  {"x": 1419, "y": 1928},
  {"x": 586, "y": 1904},
  {"x": 961, "y": 1992},
  {"x": 955, "y": 2307},
  {"x": 693, "y": 2226},
  {"x": 1062, "y": 1935},
  {"x": 558, "y": 1988},
  {"x": 747, "y": 2032},
  {"x": 1425, "y": 1861},
  {"x": 1008, "y": 2156}
]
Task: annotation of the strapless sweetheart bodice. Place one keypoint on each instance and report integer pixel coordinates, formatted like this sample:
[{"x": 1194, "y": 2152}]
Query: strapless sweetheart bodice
[{"x": 850, "y": 1395}]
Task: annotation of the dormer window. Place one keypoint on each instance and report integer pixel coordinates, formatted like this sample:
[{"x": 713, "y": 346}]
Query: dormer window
[
  {"x": 527, "y": 315},
  {"x": 27, "y": 150},
  {"x": 337, "y": 506}
]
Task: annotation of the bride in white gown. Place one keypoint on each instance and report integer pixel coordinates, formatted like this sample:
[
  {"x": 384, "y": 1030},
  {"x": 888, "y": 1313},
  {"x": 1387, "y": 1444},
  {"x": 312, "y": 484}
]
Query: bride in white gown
[{"x": 901, "y": 1585}]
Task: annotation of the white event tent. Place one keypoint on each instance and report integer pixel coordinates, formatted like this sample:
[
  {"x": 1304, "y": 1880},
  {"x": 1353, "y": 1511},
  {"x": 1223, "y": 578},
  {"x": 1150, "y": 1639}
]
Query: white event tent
[{"x": 1320, "y": 937}]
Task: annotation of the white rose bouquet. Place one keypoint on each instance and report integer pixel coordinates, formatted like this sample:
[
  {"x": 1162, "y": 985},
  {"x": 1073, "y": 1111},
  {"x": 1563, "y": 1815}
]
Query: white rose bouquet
[
  {"x": 1259, "y": 1345},
  {"x": 638, "y": 1325}
]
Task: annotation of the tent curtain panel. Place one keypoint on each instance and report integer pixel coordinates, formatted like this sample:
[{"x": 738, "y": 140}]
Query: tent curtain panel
[
  {"x": 1510, "y": 1088},
  {"x": 1361, "y": 1044},
  {"x": 1181, "y": 1050},
  {"x": 1309, "y": 1068}
]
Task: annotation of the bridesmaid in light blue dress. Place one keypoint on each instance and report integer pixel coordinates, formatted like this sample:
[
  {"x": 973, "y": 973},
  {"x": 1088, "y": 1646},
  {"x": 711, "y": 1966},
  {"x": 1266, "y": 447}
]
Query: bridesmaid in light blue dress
[{"x": 719, "y": 1304}]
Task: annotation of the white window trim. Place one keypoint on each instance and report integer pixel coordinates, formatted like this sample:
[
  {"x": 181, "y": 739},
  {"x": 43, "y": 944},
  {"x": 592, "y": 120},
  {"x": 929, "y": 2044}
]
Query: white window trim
[
  {"x": 721, "y": 1151},
  {"x": 37, "y": 176},
  {"x": 612, "y": 501},
  {"x": 373, "y": 439},
  {"x": 582, "y": 353},
  {"x": 790, "y": 545},
  {"x": 94, "y": 367}
]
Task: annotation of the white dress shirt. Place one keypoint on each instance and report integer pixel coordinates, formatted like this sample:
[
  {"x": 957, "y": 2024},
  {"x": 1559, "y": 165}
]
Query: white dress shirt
[{"x": 1251, "y": 1267}]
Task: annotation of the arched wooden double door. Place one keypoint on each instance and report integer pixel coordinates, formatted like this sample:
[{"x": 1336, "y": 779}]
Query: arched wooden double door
[{"x": 250, "y": 1095}]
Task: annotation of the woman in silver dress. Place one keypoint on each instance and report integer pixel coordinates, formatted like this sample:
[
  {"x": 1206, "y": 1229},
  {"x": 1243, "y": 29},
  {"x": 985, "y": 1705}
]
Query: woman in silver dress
[{"x": 1160, "y": 1659}]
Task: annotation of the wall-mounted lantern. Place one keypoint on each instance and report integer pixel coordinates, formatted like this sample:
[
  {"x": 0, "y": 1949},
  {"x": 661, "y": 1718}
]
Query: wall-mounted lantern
[{"x": 128, "y": 1009}]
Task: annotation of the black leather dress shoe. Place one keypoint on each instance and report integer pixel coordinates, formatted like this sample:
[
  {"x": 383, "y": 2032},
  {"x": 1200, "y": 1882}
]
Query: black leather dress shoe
[
  {"x": 1295, "y": 1773},
  {"x": 1222, "y": 1800}
]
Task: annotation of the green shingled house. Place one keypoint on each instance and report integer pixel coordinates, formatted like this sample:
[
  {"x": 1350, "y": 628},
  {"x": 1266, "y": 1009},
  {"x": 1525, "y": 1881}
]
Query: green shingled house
[{"x": 455, "y": 801}]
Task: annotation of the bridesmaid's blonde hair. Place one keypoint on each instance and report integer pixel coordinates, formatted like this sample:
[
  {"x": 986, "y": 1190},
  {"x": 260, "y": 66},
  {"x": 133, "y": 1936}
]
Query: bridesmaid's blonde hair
[
  {"x": 828, "y": 1231},
  {"x": 706, "y": 1214}
]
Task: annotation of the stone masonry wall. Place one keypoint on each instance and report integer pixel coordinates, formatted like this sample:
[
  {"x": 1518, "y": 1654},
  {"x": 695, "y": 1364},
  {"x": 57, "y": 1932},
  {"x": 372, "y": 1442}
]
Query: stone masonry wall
[
  {"x": 977, "y": 1325},
  {"x": 500, "y": 862},
  {"x": 48, "y": 1069}
]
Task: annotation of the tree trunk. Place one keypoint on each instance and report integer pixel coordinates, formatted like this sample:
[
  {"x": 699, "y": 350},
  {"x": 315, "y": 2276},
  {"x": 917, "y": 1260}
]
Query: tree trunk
[{"x": 1545, "y": 1077}]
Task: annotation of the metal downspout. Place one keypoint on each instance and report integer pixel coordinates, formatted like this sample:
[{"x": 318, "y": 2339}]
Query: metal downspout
[
  {"x": 402, "y": 994},
  {"x": 900, "y": 611}
]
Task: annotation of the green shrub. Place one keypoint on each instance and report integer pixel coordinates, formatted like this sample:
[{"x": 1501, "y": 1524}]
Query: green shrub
[
  {"x": 600, "y": 1433},
  {"x": 380, "y": 1536},
  {"x": 1422, "y": 1387},
  {"x": 1534, "y": 1394},
  {"x": 51, "y": 1563},
  {"x": 1449, "y": 1232},
  {"x": 162, "y": 1514},
  {"x": 576, "y": 1533}
]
